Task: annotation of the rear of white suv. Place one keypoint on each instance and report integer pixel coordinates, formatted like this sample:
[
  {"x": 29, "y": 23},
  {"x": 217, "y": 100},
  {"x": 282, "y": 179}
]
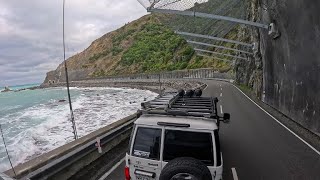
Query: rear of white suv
[{"x": 157, "y": 141}]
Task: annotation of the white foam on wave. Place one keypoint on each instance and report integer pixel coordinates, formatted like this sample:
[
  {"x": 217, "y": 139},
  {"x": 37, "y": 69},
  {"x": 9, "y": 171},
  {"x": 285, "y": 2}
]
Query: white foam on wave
[{"x": 50, "y": 128}]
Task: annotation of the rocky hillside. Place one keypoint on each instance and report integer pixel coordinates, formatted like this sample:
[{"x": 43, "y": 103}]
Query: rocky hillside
[
  {"x": 249, "y": 74},
  {"x": 144, "y": 45}
]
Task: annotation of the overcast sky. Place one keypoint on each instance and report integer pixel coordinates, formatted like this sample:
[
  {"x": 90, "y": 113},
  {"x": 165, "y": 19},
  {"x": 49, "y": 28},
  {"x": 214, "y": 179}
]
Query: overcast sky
[{"x": 31, "y": 33}]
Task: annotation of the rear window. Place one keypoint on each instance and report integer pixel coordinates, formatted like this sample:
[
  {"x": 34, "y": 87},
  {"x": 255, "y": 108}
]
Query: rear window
[
  {"x": 147, "y": 143},
  {"x": 188, "y": 144}
]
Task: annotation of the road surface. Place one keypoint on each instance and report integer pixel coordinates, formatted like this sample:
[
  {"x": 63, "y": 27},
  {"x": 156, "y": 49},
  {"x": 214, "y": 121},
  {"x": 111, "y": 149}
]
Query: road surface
[{"x": 254, "y": 145}]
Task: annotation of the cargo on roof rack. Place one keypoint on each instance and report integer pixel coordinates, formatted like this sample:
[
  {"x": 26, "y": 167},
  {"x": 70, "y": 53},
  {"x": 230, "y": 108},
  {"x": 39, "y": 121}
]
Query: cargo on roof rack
[{"x": 173, "y": 104}]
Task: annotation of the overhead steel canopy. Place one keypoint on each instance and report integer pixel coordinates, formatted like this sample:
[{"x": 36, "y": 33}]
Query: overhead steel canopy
[
  {"x": 211, "y": 16},
  {"x": 213, "y": 20},
  {"x": 221, "y": 47},
  {"x": 191, "y": 8},
  {"x": 212, "y": 52}
]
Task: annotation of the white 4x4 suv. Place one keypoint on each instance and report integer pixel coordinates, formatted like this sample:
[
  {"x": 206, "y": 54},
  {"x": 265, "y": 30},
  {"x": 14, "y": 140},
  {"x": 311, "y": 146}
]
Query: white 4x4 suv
[{"x": 172, "y": 145}]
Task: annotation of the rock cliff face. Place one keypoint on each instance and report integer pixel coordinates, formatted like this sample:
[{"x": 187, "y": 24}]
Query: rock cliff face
[
  {"x": 250, "y": 72},
  {"x": 292, "y": 62},
  {"x": 284, "y": 72}
]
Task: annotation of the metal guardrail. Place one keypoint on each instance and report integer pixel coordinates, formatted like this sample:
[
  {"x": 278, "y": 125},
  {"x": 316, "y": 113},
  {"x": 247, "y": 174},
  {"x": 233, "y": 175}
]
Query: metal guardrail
[
  {"x": 75, "y": 155},
  {"x": 178, "y": 74}
]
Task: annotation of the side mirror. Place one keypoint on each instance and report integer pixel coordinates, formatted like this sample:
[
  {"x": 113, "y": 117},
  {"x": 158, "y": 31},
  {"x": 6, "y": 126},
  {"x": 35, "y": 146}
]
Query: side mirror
[{"x": 226, "y": 117}]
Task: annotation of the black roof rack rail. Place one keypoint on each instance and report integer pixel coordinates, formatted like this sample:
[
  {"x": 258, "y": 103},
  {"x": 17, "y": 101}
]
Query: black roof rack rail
[
  {"x": 188, "y": 106},
  {"x": 174, "y": 105}
]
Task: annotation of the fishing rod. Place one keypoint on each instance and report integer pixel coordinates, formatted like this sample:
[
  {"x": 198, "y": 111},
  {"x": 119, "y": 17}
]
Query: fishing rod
[
  {"x": 5, "y": 146},
  {"x": 67, "y": 78}
]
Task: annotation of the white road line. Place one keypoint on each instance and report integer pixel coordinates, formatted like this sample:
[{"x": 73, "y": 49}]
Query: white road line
[
  {"x": 220, "y": 94},
  {"x": 221, "y": 89},
  {"x": 111, "y": 170},
  {"x": 205, "y": 87},
  {"x": 220, "y": 85},
  {"x": 305, "y": 142},
  {"x": 221, "y": 109},
  {"x": 234, "y": 174}
]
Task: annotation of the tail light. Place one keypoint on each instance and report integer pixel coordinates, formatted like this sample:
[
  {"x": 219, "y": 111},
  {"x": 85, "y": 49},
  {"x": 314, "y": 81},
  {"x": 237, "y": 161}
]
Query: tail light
[{"x": 127, "y": 173}]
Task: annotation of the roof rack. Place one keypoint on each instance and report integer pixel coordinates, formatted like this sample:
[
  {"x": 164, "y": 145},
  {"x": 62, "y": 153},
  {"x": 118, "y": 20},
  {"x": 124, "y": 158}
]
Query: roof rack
[{"x": 175, "y": 105}]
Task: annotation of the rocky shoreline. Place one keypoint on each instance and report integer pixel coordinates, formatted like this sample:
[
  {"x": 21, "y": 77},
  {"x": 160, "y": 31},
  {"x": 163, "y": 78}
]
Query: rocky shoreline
[
  {"x": 7, "y": 89},
  {"x": 167, "y": 85}
]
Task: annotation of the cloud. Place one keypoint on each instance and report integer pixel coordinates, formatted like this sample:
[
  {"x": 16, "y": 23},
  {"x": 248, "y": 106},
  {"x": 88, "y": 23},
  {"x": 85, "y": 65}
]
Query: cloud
[{"x": 31, "y": 33}]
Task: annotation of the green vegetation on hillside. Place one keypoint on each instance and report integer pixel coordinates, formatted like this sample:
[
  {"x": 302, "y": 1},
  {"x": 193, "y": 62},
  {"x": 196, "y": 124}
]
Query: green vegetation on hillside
[{"x": 157, "y": 48}]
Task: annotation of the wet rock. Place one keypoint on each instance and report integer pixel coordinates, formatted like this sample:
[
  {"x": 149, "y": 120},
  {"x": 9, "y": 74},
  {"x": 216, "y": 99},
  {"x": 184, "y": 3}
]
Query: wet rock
[
  {"x": 6, "y": 89},
  {"x": 62, "y": 100},
  {"x": 250, "y": 72}
]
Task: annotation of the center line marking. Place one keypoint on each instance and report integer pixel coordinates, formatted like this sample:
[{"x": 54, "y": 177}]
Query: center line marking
[
  {"x": 220, "y": 94},
  {"x": 234, "y": 174},
  {"x": 221, "y": 89},
  {"x": 221, "y": 109}
]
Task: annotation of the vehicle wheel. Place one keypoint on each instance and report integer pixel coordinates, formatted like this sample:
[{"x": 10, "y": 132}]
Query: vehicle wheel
[{"x": 185, "y": 168}]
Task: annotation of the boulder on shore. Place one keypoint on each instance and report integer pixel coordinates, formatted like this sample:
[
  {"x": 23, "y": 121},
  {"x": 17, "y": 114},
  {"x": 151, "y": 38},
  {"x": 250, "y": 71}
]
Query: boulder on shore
[{"x": 6, "y": 89}]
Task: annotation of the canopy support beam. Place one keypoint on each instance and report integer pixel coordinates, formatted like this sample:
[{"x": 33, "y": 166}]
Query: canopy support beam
[
  {"x": 213, "y": 38},
  {"x": 221, "y": 47},
  {"x": 212, "y": 52}
]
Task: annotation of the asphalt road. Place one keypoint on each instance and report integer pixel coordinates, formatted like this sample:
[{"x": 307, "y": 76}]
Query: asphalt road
[{"x": 254, "y": 145}]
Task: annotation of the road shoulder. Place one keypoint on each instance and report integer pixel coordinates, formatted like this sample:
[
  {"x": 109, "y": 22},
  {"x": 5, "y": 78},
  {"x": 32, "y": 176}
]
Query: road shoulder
[{"x": 310, "y": 137}]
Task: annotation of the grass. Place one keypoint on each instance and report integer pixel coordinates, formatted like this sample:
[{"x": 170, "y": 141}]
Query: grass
[{"x": 157, "y": 48}]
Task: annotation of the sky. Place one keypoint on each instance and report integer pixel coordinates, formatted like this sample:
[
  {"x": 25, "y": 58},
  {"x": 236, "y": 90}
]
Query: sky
[{"x": 31, "y": 33}]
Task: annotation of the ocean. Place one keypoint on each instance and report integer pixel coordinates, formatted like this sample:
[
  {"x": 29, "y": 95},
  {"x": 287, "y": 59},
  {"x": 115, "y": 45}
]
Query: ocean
[{"x": 36, "y": 121}]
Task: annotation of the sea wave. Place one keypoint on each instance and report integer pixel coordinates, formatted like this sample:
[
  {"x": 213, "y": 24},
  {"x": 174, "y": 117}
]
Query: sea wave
[{"x": 44, "y": 127}]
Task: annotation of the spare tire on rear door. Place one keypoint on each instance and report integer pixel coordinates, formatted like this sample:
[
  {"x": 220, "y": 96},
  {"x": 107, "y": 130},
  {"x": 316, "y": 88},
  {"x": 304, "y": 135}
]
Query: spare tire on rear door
[{"x": 185, "y": 168}]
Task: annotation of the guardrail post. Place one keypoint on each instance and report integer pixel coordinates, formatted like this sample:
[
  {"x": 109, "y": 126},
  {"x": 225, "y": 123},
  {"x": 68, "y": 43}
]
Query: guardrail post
[{"x": 98, "y": 145}]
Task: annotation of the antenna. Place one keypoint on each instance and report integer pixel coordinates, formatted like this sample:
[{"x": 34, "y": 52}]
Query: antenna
[
  {"x": 67, "y": 78},
  {"x": 5, "y": 145}
]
